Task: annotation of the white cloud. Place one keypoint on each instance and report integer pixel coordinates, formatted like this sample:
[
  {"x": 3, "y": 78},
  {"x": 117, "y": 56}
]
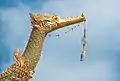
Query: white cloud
[
  {"x": 16, "y": 25},
  {"x": 50, "y": 69}
]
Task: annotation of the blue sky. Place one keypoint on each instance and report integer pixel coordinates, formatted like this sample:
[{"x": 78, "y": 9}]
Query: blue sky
[{"x": 62, "y": 63}]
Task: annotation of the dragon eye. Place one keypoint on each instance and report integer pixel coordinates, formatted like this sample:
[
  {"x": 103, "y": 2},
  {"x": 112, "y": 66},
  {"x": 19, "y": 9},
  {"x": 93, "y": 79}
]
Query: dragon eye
[
  {"x": 46, "y": 20},
  {"x": 55, "y": 18}
]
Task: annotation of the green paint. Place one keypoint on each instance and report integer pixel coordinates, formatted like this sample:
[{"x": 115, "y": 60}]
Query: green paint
[{"x": 46, "y": 20}]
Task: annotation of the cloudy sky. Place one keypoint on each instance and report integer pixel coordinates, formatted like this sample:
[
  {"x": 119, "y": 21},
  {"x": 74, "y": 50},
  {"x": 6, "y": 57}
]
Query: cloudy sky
[{"x": 60, "y": 56}]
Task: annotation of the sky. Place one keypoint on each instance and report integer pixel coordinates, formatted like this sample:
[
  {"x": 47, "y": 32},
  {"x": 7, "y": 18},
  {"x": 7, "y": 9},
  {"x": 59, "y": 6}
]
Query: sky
[{"x": 60, "y": 56}]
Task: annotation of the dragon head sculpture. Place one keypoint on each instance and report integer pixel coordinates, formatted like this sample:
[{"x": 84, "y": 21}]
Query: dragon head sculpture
[{"x": 53, "y": 22}]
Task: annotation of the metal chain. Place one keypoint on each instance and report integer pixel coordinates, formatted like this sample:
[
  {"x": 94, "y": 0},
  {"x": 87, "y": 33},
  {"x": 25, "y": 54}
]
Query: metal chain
[{"x": 58, "y": 35}]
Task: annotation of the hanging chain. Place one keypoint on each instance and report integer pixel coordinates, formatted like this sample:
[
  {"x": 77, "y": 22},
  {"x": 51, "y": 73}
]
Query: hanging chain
[
  {"x": 58, "y": 35},
  {"x": 83, "y": 54}
]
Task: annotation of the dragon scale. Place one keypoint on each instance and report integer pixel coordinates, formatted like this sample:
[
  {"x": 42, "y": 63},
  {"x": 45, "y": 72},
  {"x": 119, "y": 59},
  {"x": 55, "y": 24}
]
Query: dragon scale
[{"x": 34, "y": 46}]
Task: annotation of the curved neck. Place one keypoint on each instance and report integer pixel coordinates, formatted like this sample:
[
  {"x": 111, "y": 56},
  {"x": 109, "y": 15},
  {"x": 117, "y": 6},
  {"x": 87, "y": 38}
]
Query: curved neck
[{"x": 33, "y": 50}]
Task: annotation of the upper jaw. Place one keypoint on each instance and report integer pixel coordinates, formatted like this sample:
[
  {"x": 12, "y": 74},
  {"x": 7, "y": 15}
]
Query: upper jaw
[{"x": 68, "y": 21}]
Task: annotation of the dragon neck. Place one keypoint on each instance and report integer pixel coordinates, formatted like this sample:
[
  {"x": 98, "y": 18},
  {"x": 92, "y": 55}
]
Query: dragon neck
[
  {"x": 34, "y": 46},
  {"x": 31, "y": 54}
]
